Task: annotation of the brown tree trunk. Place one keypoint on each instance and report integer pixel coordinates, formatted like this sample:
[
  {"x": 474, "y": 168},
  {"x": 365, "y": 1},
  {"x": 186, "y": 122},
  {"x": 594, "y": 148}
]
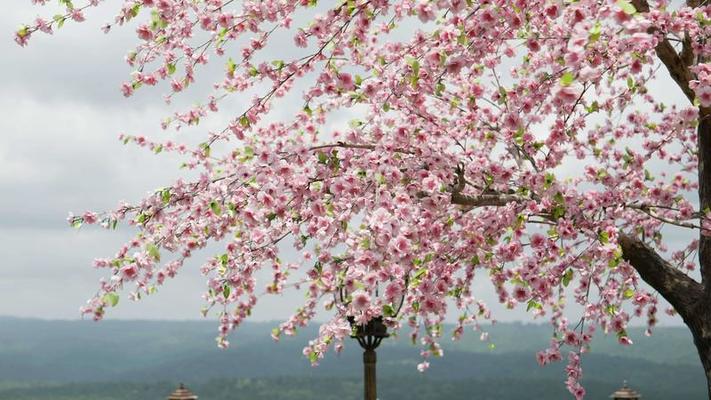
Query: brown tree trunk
[
  {"x": 700, "y": 326},
  {"x": 691, "y": 299},
  {"x": 700, "y": 320}
]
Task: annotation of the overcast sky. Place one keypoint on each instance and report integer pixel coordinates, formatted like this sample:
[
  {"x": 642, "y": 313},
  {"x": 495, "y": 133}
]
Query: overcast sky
[{"x": 61, "y": 114}]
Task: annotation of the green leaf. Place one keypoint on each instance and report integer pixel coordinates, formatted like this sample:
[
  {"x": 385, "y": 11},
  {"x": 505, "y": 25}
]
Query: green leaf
[
  {"x": 165, "y": 196},
  {"x": 648, "y": 175},
  {"x": 215, "y": 207},
  {"x": 414, "y": 80},
  {"x": 595, "y": 32},
  {"x": 244, "y": 121},
  {"x": 604, "y": 237},
  {"x": 615, "y": 261},
  {"x": 171, "y": 68},
  {"x": 549, "y": 180},
  {"x": 627, "y": 7},
  {"x": 232, "y": 209},
  {"x": 628, "y": 293},
  {"x": 567, "y": 79},
  {"x": 630, "y": 83},
  {"x": 278, "y": 64},
  {"x": 135, "y": 10},
  {"x": 152, "y": 250},
  {"x": 231, "y": 66},
  {"x": 419, "y": 273},
  {"x": 567, "y": 277},
  {"x": 415, "y": 77},
  {"x": 226, "y": 290},
  {"x": 534, "y": 304},
  {"x": 205, "y": 149},
  {"x": 111, "y": 299},
  {"x": 415, "y": 65},
  {"x": 439, "y": 88},
  {"x": 388, "y": 310},
  {"x": 558, "y": 212},
  {"x": 60, "y": 21},
  {"x": 77, "y": 222}
]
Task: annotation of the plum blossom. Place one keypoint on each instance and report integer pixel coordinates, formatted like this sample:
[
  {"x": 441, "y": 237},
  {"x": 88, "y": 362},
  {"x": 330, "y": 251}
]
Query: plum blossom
[{"x": 361, "y": 300}]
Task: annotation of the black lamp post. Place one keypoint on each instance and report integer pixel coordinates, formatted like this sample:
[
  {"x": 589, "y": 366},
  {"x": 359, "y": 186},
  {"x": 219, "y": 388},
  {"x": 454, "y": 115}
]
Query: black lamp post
[{"x": 369, "y": 337}]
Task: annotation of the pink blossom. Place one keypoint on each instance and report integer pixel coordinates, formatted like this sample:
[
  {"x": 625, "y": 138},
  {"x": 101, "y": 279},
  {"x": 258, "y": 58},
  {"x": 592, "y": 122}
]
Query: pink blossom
[
  {"x": 129, "y": 272},
  {"x": 455, "y": 65},
  {"x": 703, "y": 93},
  {"x": 423, "y": 366},
  {"x": 345, "y": 81},
  {"x": 568, "y": 94},
  {"x": 361, "y": 300},
  {"x": 144, "y": 32},
  {"x": 537, "y": 240},
  {"x": 90, "y": 217},
  {"x": 401, "y": 245},
  {"x": 625, "y": 340},
  {"x": 431, "y": 183},
  {"x": 300, "y": 38}
]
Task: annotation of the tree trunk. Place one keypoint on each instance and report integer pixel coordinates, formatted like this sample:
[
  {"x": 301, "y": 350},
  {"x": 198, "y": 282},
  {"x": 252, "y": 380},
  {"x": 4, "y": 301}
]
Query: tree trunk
[
  {"x": 700, "y": 321},
  {"x": 700, "y": 326}
]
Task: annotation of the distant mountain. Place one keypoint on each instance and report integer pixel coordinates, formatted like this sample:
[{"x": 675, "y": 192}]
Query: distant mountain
[{"x": 56, "y": 359}]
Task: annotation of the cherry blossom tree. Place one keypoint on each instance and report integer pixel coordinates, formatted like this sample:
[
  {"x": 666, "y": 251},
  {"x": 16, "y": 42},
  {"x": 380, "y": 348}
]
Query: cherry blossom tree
[{"x": 515, "y": 141}]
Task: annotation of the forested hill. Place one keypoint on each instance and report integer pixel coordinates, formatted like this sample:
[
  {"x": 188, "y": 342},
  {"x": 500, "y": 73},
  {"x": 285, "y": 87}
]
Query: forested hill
[{"x": 142, "y": 359}]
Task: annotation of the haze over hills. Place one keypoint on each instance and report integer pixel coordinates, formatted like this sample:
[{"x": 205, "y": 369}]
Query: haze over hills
[{"x": 145, "y": 359}]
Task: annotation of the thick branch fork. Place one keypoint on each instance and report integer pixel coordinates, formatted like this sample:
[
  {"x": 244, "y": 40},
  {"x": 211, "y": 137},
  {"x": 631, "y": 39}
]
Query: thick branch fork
[{"x": 679, "y": 289}]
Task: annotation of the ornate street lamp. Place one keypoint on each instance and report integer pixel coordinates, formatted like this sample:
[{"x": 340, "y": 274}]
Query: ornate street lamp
[
  {"x": 625, "y": 393},
  {"x": 369, "y": 337},
  {"x": 182, "y": 393}
]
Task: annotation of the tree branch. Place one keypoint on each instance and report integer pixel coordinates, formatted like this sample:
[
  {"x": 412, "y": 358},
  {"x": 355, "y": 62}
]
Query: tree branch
[
  {"x": 677, "y": 67},
  {"x": 483, "y": 200},
  {"x": 494, "y": 199},
  {"x": 680, "y": 290}
]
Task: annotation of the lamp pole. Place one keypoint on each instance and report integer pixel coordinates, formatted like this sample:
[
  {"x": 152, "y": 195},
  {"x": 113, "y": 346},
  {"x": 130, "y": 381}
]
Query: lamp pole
[
  {"x": 369, "y": 337},
  {"x": 370, "y": 334}
]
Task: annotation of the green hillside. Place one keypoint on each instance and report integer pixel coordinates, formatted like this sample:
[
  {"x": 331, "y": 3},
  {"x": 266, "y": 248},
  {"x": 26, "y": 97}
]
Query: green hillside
[{"x": 145, "y": 359}]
